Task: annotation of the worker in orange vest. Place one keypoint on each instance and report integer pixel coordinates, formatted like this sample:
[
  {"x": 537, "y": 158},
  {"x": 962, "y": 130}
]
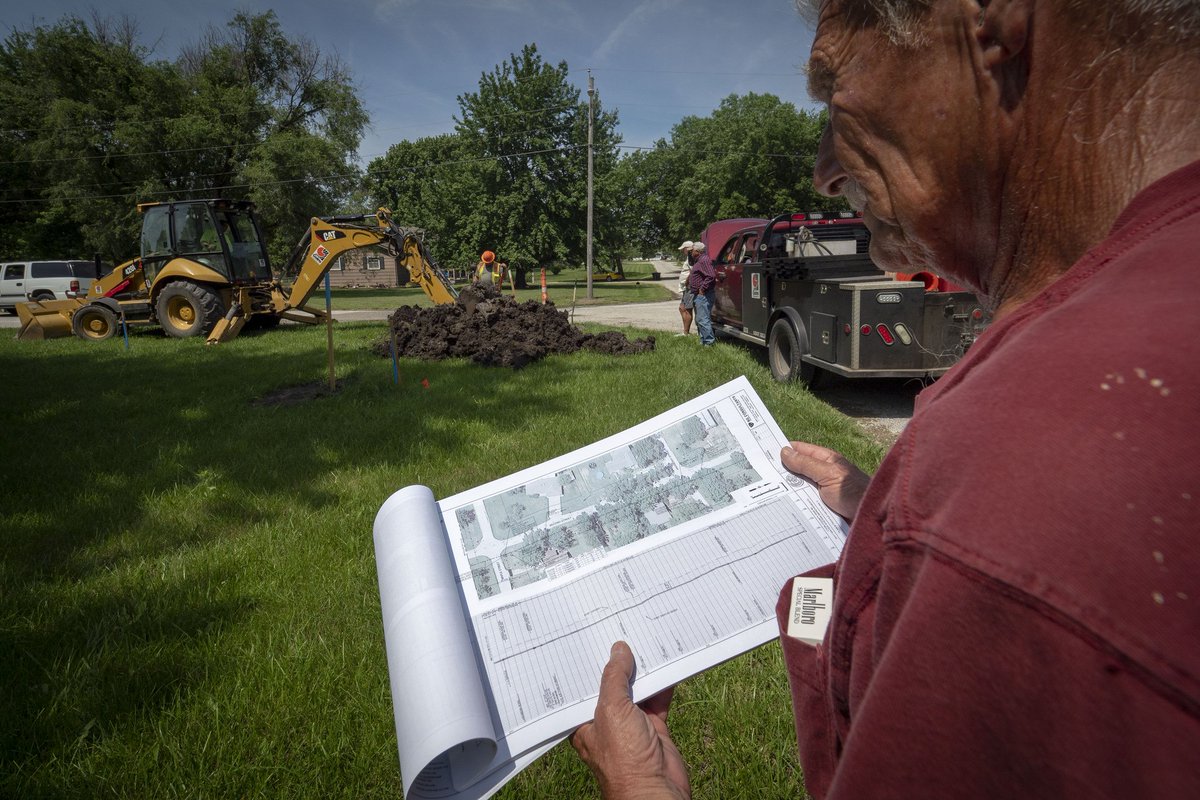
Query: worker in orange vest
[{"x": 489, "y": 270}]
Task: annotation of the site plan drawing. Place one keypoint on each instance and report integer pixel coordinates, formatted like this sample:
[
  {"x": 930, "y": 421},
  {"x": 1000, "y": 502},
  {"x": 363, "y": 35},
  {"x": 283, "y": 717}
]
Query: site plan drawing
[
  {"x": 501, "y": 603},
  {"x": 552, "y": 526}
]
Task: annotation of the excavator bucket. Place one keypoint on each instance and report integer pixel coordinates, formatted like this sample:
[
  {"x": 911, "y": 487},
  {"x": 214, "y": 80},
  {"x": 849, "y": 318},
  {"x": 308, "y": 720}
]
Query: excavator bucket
[{"x": 49, "y": 319}]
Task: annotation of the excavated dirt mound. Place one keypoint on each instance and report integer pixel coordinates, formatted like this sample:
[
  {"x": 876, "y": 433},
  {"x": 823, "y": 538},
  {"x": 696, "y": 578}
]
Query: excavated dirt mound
[{"x": 494, "y": 330}]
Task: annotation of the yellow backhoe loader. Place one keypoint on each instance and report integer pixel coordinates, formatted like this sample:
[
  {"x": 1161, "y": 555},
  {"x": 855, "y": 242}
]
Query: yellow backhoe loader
[{"x": 204, "y": 270}]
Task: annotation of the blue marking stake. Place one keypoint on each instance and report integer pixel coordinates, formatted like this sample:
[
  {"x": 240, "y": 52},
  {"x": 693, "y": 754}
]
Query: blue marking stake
[{"x": 395, "y": 361}]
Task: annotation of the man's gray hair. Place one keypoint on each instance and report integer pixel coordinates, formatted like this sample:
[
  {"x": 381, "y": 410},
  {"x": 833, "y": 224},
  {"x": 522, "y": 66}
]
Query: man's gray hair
[{"x": 1177, "y": 20}]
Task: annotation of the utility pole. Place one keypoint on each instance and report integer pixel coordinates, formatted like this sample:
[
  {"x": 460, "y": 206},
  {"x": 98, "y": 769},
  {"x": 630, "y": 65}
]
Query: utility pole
[{"x": 591, "y": 115}]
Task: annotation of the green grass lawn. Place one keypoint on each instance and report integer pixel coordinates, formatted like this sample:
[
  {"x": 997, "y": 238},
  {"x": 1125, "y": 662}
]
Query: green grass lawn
[
  {"x": 189, "y": 600},
  {"x": 562, "y": 289}
]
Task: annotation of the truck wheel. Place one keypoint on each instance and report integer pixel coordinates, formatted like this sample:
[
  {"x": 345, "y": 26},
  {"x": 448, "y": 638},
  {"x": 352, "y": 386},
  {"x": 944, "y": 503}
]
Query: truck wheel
[
  {"x": 94, "y": 323},
  {"x": 188, "y": 309},
  {"x": 783, "y": 355}
]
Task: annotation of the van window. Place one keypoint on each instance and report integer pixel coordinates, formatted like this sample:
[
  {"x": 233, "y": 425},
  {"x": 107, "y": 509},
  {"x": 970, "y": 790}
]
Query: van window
[
  {"x": 50, "y": 269},
  {"x": 14, "y": 272},
  {"x": 84, "y": 269}
]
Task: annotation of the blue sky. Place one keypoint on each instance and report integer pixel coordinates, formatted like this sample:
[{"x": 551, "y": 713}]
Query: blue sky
[{"x": 655, "y": 61}]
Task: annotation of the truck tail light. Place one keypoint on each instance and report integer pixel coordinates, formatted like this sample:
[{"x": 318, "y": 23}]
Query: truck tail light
[
  {"x": 865, "y": 330},
  {"x": 902, "y": 334},
  {"x": 74, "y": 286},
  {"x": 885, "y": 334}
]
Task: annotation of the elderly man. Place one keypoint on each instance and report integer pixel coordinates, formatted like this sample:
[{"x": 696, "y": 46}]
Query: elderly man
[
  {"x": 702, "y": 283},
  {"x": 1017, "y": 609}
]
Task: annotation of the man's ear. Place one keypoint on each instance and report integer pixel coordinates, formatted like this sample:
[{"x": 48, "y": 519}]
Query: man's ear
[
  {"x": 1003, "y": 30},
  {"x": 1003, "y": 35}
]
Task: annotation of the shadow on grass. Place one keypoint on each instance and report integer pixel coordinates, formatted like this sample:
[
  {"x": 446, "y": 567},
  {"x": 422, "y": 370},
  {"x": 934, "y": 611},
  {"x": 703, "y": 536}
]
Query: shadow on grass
[{"x": 123, "y": 463}]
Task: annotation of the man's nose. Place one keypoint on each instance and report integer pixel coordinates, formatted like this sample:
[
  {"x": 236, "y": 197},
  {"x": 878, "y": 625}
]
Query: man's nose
[{"x": 828, "y": 175}]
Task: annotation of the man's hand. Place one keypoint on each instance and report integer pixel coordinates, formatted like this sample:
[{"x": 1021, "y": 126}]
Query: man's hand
[
  {"x": 628, "y": 747},
  {"x": 841, "y": 484}
]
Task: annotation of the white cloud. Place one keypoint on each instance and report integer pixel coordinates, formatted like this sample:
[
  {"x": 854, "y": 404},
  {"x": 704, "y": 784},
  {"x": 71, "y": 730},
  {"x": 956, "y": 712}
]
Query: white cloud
[{"x": 633, "y": 20}]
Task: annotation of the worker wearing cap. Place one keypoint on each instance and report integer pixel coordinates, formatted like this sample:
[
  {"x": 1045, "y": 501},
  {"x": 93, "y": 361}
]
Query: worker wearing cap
[
  {"x": 685, "y": 294},
  {"x": 702, "y": 281},
  {"x": 489, "y": 270}
]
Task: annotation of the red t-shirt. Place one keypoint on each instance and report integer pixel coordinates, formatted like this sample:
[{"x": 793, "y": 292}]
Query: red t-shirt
[{"x": 1017, "y": 609}]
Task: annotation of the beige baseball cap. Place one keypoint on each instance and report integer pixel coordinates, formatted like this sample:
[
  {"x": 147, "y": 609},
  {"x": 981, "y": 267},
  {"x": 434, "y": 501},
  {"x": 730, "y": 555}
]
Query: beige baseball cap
[{"x": 688, "y": 245}]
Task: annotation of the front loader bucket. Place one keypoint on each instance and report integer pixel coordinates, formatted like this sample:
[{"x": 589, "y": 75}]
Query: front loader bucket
[{"x": 50, "y": 319}]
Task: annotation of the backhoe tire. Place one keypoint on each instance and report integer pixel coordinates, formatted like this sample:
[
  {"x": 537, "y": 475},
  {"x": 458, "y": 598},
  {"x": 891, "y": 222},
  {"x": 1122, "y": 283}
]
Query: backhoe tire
[
  {"x": 187, "y": 309},
  {"x": 783, "y": 355},
  {"x": 95, "y": 323}
]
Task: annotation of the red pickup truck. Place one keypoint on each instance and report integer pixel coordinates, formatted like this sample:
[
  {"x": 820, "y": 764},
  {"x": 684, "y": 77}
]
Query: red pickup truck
[{"x": 804, "y": 286}]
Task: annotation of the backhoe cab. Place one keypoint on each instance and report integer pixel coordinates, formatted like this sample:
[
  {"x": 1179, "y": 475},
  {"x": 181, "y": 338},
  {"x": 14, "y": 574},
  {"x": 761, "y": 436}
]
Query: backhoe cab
[{"x": 204, "y": 270}]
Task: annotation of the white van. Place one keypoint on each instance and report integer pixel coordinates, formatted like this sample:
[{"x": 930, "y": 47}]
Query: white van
[{"x": 43, "y": 280}]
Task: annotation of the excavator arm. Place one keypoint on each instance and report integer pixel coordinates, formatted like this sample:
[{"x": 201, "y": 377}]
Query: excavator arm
[{"x": 325, "y": 240}]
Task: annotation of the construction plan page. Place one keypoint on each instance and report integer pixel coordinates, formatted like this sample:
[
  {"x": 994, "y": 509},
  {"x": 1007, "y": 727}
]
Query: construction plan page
[{"x": 675, "y": 536}]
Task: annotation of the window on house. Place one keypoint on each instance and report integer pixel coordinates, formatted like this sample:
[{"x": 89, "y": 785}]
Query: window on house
[
  {"x": 336, "y": 266},
  {"x": 374, "y": 263}
]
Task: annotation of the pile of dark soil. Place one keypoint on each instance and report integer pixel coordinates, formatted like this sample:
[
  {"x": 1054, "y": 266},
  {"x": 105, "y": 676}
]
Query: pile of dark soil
[{"x": 494, "y": 330}]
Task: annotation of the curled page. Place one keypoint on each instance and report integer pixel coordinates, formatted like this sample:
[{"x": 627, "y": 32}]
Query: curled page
[{"x": 444, "y": 727}]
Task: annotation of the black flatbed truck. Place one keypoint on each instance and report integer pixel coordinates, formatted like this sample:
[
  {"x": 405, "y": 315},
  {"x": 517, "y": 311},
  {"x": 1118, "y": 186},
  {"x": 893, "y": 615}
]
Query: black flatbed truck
[{"x": 804, "y": 286}]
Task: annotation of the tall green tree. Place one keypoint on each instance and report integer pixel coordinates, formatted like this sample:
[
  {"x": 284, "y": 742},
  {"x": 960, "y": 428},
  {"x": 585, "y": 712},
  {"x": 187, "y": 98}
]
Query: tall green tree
[
  {"x": 529, "y": 126},
  {"x": 639, "y": 191},
  {"x": 428, "y": 184},
  {"x": 752, "y": 157},
  {"x": 282, "y": 121},
  {"x": 76, "y": 100},
  {"x": 94, "y": 127},
  {"x": 513, "y": 176}
]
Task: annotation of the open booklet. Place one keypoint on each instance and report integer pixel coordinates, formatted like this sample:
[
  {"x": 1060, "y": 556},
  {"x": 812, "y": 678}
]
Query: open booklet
[{"x": 500, "y": 604}]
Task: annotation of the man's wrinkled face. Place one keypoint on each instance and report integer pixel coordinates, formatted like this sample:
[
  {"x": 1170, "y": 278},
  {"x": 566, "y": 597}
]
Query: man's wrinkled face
[{"x": 903, "y": 143}]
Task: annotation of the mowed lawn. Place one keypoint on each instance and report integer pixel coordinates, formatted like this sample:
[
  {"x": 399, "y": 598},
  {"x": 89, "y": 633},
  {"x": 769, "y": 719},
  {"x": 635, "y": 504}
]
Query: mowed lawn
[{"x": 188, "y": 597}]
